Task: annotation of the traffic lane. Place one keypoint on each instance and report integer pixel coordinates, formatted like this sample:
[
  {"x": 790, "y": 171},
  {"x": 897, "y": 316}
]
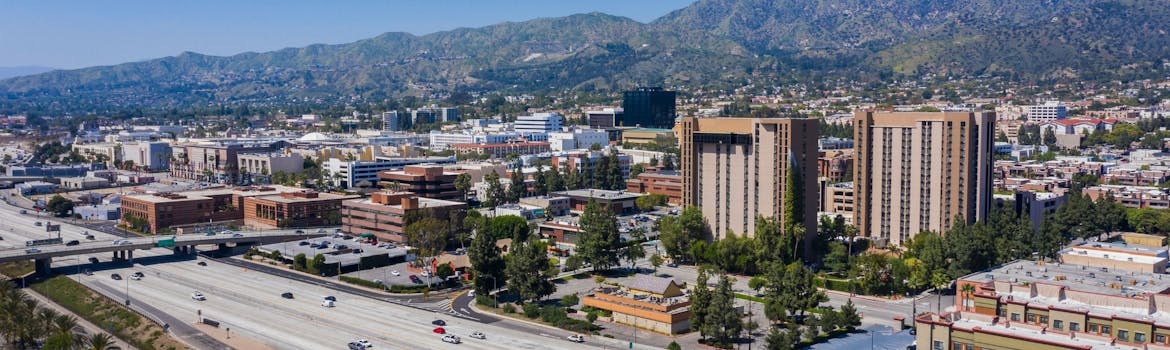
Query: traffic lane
[
  {"x": 178, "y": 328},
  {"x": 223, "y": 282}
]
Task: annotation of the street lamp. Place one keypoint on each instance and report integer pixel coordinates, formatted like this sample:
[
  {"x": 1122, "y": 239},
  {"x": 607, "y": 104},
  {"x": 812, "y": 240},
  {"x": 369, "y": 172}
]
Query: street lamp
[{"x": 493, "y": 291}]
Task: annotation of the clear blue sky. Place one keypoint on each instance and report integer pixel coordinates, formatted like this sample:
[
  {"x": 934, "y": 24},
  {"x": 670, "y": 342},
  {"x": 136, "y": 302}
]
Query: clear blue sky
[{"x": 81, "y": 33}]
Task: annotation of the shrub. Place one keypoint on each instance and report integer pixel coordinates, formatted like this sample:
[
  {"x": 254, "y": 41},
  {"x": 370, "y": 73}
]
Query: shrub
[
  {"x": 485, "y": 300},
  {"x": 673, "y": 346},
  {"x": 509, "y": 308},
  {"x": 592, "y": 316},
  {"x": 531, "y": 310},
  {"x": 553, "y": 315},
  {"x": 570, "y": 300},
  {"x": 362, "y": 282}
]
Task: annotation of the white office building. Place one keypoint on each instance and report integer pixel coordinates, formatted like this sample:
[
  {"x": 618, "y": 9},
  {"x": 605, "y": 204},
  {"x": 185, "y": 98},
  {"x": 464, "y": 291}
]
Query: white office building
[
  {"x": 577, "y": 139},
  {"x": 539, "y": 122},
  {"x": 353, "y": 173},
  {"x": 1049, "y": 111},
  {"x": 152, "y": 156}
]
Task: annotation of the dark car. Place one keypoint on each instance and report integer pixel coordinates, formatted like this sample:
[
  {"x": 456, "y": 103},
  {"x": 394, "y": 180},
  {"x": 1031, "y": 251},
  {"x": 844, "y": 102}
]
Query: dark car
[
  {"x": 73, "y": 242},
  {"x": 439, "y": 322},
  {"x": 415, "y": 279},
  {"x": 331, "y": 298},
  {"x": 201, "y": 263},
  {"x": 356, "y": 346},
  {"x": 357, "y": 251},
  {"x": 304, "y": 243},
  {"x": 93, "y": 260},
  {"x": 116, "y": 277},
  {"x": 300, "y": 232},
  {"x": 286, "y": 295}
]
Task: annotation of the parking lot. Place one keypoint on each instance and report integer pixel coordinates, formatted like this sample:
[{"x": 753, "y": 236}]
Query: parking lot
[
  {"x": 346, "y": 250},
  {"x": 386, "y": 274}
]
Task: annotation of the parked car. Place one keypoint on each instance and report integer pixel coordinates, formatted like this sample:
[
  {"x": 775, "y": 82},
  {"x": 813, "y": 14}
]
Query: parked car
[
  {"x": 415, "y": 279},
  {"x": 116, "y": 277},
  {"x": 478, "y": 335},
  {"x": 286, "y": 295},
  {"x": 576, "y": 338},
  {"x": 197, "y": 296},
  {"x": 453, "y": 339},
  {"x": 395, "y": 272},
  {"x": 73, "y": 242}
]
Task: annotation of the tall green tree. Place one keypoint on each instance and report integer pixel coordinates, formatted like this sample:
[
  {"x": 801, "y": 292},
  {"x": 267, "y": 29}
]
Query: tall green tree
[
  {"x": 700, "y": 303},
  {"x": 615, "y": 179},
  {"x": 554, "y": 181},
  {"x": 678, "y": 235},
  {"x": 540, "y": 181},
  {"x": 723, "y": 323},
  {"x": 486, "y": 262},
  {"x": 526, "y": 271},
  {"x": 463, "y": 184},
  {"x": 429, "y": 235},
  {"x": 509, "y": 226},
  {"x": 495, "y": 191},
  {"x": 59, "y": 206},
  {"x": 517, "y": 188},
  {"x": 599, "y": 241}
]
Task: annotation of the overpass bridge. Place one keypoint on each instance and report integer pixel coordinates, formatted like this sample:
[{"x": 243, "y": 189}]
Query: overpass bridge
[{"x": 123, "y": 249}]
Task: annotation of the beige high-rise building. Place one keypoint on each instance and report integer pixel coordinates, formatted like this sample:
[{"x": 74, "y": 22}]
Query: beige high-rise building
[
  {"x": 734, "y": 169},
  {"x": 918, "y": 171}
]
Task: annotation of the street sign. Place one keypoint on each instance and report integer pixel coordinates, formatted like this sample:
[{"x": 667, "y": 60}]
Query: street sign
[{"x": 165, "y": 243}]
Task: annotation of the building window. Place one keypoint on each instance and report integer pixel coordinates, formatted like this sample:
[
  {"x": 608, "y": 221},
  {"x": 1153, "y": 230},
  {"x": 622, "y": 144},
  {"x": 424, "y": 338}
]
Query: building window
[
  {"x": 1015, "y": 317},
  {"x": 1139, "y": 337},
  {"x": 1058, "y": 324},
  {"x": 938, "y": 345},
  {"x": 1031, "y": 318},
  {"x": 1106, "y": 329},
  {"x": 1122, "y": 335},
  {"x": 1093, "y": 328},
  {"x": 1073, "y": 326},
  {"x": 1043, "y": 319},
  {"x": 1160, "y": 339}
]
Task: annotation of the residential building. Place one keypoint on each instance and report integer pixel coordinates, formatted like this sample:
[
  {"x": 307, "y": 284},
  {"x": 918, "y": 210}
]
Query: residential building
[
  {"x": 429, "y": 181},
  {"x": 603, "y": 118},
  {"x": 919, "y": 171},
  {"x": 647, "y": 302},
  {"x": 666, "y": 183},
  {"x": 837, "y": 198},
  {"x": 648, "y": 107},
  {"x": 294, "y": 209},
  {"x": 391, "y": 121},
  {"x": 586, "y": 161},
  {"x": 386, "y": 214},
  {"x": 1038, "y": 305},
  {"x": 1036, "y": 206},
  {"x": 1131, "y": 196},
  {"x": 216, "y": 162},
  {"x": 349, "y": 174},
  {"x": 834, "y": 143},
  {"x": 270, "y": 163},
  {"x": 151, "y": 156},
  {"x": 1049, "y": 111},
  {"x": 835, "y": 165},
  {"x": 538, "y": 123},
  {"x": 577, "y": 139},
  {"x": 1116, "y": 257},
  {"x": 500, "y": 150},
  {"x": 619, "y": 202},
  {"x": 736, "y": 169}
]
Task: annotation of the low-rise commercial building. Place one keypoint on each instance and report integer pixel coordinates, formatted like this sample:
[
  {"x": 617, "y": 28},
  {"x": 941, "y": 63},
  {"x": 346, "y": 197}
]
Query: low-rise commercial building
[
  {"x": 152, "y": 213},
  {"x": 554, "y": 205},
  {"x": 151, "y": 156},
  {"x": 619, "y": 202},
  {"x": 270, "y": 163},
  {"x": 666, "y": 183},
  {"x": 294, "y": 209},
  {"x": 386, "y": 214},
  {"x": 1037, "y": 305},
  {"x": 83, "y": 183},
  {"x": 577, "y": 139},
  {"x": 647, "y": 302},
  {"x": 349, "y": 174},
  {"x": 36, "y": 187},
  {"x": 1140, "y": 253},
  {"x": 647, "y": 135}
]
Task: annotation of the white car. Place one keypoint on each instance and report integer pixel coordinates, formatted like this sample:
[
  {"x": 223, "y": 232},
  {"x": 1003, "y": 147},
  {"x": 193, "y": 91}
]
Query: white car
[
  {"x": 196, "y": 295},
  {"x": 395, "y": 272},
  {"x": 365, "y": 343},
  {"x": 478, "y": 335},
  {"x": 577, "y": 338},
  {"x": 453, "y": 339},
  {"x": 328, "y": 303}
]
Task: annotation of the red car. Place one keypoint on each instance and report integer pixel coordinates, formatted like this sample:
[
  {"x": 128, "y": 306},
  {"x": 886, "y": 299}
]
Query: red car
[{"x": 440, "y": 330}]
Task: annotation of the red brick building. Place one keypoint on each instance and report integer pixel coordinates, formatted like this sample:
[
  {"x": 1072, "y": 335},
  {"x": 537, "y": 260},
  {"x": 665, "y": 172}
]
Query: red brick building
[
  {"x": 294, "y": 209},
  {"x": 430, "y": 181},
  {"x": 666, "y": 183}
]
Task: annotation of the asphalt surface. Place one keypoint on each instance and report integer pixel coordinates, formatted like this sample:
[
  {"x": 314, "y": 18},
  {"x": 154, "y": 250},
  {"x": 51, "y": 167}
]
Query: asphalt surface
[{"x": 178, "y": 328}]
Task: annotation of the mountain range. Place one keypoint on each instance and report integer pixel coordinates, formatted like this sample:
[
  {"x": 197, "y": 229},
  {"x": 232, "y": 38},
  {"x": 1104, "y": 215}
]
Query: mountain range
[{"x": 710, "y": 42}]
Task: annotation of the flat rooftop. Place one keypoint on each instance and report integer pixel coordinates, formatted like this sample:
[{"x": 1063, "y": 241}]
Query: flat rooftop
[
  {"x": 1018, "y": 330},
  {"x": 1076, "y": 277},
  {"x": 599, "y": 194},
  {"x": 321, "y": 196},
  {"x": 423, "y": 202}
]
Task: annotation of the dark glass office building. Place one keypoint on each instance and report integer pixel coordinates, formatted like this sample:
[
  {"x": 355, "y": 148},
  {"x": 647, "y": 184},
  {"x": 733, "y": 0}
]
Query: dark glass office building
[{"x": 648, "y": 107}]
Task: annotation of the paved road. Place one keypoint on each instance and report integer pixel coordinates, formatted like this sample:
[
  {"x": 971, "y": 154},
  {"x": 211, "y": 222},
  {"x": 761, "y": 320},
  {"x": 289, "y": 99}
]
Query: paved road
[{"x": 178, "y": 328}]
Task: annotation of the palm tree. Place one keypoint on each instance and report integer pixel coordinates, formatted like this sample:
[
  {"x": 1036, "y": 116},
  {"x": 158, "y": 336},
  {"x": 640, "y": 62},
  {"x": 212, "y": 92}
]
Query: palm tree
[
  {"x": 968, "y": 290},
  {"x": 67, "y": 324},
  {"x": 99, "y": 341}
]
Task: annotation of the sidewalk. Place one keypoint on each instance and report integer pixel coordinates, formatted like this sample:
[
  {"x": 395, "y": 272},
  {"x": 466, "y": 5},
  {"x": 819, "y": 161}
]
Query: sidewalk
[{"x": 89, "y": 327}]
